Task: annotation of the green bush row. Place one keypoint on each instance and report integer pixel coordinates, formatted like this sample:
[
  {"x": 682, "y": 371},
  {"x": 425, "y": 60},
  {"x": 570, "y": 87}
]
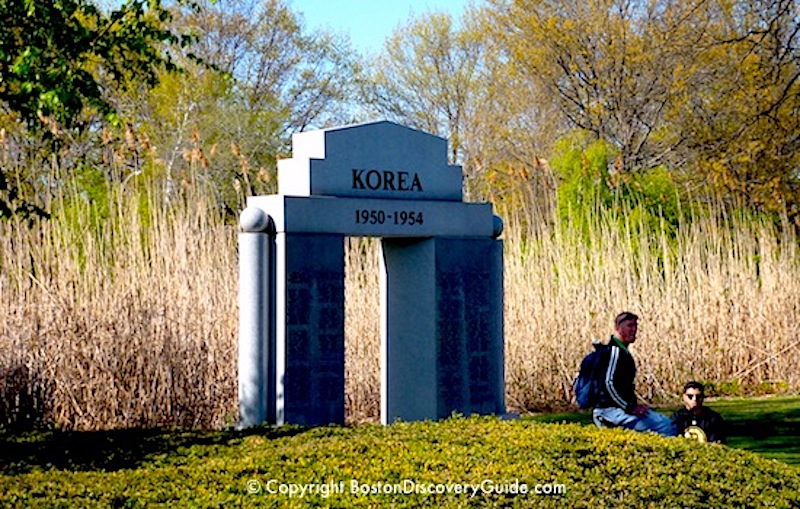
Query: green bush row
[{"x": 459, "y": 462}]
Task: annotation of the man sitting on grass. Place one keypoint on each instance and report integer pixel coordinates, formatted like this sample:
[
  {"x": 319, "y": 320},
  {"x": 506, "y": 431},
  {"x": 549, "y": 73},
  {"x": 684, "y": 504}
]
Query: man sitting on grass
[
  {"x": 695, "y": 420},
  {"x": 617, "y": 404}
]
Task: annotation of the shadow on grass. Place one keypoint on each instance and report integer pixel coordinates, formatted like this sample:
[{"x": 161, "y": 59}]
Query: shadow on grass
[
  {"x": 112, "y": 450},
  {"x": 767, "y": 426}
]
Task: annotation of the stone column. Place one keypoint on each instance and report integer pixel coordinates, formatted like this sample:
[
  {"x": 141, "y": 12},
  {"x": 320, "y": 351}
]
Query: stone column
[
  {"x": 469, "y": 332},
  {"x": 309, "y": 357},
  {"x": 442, "y": 328},
  {"x": 254, "y": 314},
  {"x": 408, "y": 330}
]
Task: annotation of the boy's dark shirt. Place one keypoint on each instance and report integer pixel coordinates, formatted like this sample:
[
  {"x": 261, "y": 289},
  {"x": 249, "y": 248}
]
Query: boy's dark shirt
[{"x": 709, "y": 420}]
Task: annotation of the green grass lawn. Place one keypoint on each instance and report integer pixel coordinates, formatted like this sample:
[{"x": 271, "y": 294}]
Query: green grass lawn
[
  {"x": 572, "y": 464},
  {"x": 769, "y": 426}
]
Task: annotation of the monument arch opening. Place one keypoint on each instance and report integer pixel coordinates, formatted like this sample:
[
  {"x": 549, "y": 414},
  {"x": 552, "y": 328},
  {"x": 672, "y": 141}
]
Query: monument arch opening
[{"x": 362, "y": 338}]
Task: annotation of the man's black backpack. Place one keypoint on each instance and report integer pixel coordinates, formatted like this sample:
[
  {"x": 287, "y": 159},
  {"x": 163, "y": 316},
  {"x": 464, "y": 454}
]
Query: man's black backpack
[{"x": 587, "y": 384}]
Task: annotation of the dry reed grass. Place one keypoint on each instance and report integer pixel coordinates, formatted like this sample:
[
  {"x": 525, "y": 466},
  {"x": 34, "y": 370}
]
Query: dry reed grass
[
  {"x": 126, "y": 322},
  {"x": 362, "y": 330},
  {"x": 131, "y": 321},
  {"x": 719, "y": 304}
]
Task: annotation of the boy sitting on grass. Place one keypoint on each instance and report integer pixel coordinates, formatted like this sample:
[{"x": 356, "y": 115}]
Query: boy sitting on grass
[{"x": 696, "y": 420}]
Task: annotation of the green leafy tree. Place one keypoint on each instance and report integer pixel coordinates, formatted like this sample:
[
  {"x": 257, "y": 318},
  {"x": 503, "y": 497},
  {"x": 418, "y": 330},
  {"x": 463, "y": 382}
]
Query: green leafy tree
[
  {"x": 592, "y": 184},
  {"x": 61, "y": 61},
  {"x": 58, "y": 56}
]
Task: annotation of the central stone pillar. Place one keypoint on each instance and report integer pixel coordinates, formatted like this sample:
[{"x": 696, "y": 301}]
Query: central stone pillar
[
  {"x": 408, "y": 329},
  {"x": 442, "y": 328}
]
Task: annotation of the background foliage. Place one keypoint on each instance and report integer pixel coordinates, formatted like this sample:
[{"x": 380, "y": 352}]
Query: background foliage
[
  {"x": 703, "y": 91},
  {"x": 643, "y": 155}
]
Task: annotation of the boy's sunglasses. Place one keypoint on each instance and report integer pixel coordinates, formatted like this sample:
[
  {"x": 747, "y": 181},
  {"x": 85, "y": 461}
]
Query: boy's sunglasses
[{"x": 693, "y": 396}]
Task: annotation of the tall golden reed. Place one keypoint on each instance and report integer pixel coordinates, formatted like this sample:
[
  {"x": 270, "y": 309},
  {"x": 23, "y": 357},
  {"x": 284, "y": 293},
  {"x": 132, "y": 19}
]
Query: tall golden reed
[
  {"x": 125, "y": 321},
  {"x": 362, "y": 330},
  {"x": 719, "y": 303},
  {"x": 131, "y": 320}
]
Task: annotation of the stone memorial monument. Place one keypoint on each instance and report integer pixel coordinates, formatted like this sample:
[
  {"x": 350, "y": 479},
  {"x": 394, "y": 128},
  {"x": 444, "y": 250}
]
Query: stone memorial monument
[{"x": 441, "y": 281}]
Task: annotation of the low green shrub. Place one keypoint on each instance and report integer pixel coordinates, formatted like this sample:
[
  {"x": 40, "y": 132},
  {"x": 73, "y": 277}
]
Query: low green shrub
[
  {"x": 734, "y": 388},
  {"x": 459, "y": 462},
  {"x": 730, "y": 388},
  {"x": 769, "y": 387}
]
